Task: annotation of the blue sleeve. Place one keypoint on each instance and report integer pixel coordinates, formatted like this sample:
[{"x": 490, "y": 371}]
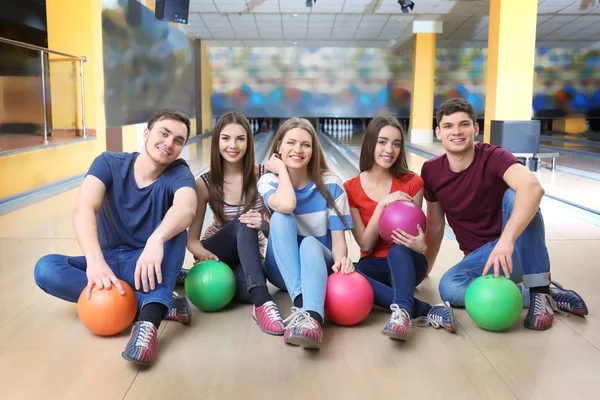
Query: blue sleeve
[
  {"x": 182, "y": 177},
  {"x": 100, "y": 168}
]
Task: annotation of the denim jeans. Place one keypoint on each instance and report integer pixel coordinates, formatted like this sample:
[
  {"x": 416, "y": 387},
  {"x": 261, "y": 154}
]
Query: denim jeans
[
  {"x": 65, "y": 277},
  {"x": 298, "y": 267},
  {"x": 237, "y": 246},
  {"x": 395, "y": 278},
  {"x": 531, "y": 263}
]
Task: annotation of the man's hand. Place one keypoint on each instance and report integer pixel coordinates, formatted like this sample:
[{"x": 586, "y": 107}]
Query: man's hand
[
  {"x": 149, "y": 265},
  {"x": 99, "y": 273},
  {"x": 501, "y": 257}
]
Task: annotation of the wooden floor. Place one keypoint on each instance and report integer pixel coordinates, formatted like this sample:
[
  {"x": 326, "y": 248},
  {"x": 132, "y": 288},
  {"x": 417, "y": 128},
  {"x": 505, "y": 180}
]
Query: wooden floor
[{"x": 46, "y": 353}]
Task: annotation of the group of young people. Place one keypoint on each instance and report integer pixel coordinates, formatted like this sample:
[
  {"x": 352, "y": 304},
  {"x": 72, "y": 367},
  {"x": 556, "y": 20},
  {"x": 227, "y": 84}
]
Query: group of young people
[{"x": 285, "y": 222}]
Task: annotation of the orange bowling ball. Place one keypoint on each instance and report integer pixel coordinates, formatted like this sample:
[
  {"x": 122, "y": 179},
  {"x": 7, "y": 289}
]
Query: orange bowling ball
[{"x": 107, "y": 313}]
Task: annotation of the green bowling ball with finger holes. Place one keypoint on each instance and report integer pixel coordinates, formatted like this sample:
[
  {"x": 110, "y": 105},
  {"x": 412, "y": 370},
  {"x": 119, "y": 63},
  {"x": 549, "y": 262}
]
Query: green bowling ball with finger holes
[
  {"x": 210, "y": 285},
  {"x": 494, "y": 304}
]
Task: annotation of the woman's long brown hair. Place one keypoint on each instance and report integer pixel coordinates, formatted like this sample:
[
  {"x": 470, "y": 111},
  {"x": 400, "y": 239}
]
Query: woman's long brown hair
[
  {"x": 317, "y": 165},
  {"x": 216, "y": 174}
]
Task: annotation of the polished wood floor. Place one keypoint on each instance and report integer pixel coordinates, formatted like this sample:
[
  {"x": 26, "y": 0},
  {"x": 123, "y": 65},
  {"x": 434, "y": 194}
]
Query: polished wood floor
[{"x": 46, "y": 353}]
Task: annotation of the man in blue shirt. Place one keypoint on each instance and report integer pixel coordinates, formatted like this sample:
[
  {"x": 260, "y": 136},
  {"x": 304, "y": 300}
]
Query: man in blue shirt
[{"x": 130, "y": 221}]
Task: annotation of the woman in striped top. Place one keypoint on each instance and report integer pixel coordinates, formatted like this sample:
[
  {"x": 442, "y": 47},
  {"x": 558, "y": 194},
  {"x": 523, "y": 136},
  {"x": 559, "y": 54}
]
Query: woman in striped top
[
  {"x": 235, "y": 235},
  {"x": 310, "y": 213}
]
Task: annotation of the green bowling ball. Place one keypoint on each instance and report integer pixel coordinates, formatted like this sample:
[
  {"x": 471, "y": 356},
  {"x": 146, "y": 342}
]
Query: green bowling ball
[
  {"x": 210, "y": 285},
  {"x": 494, "y": 304}
]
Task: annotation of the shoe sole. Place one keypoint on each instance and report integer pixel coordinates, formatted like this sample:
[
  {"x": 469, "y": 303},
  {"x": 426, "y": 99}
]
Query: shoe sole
[
  {"x": 266, "y": 331},
  {"x": 394, "y": 335},
  {"x": 305, "y": 343},
  {"x": 538, "y": 329},
  {"x": 143, "y": 363},
  {"x": 579, "y": 314}
]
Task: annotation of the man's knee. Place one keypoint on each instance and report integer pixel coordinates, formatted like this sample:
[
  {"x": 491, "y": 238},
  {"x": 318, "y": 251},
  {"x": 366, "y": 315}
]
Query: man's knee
[
  {"x": 45, "y": 271},
  {"x": 508, "y": 200},
  {"x": 451, "y": 292}
]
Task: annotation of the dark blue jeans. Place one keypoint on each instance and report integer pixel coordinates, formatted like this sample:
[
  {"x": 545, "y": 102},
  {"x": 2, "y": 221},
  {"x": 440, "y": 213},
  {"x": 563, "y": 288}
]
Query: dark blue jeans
[
  {"x": 395, "y": 278},
  {"x": 237, "y": 246},
  {"x": 531, "y": 263},
  {"x": 65, "y": 277}
]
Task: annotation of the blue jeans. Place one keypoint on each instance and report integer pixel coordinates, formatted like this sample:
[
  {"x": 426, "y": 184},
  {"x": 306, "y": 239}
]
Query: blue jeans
[
  {"x": 300, "y": 267},
  {"x": 65, "y": 277},
  {"x": 395, "y": 278},
  {"x": 531, "y": 263}
]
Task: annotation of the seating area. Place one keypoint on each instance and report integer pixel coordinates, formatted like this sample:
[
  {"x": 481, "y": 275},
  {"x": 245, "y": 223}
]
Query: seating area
[{"x": 540, "y": 158}]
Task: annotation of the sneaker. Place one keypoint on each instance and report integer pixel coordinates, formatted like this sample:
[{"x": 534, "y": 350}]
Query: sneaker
[
  {"x": 568, "y": 300},
  {"x": 541, "y": 312},
  {"x": 268, "y": 318},
  {"x": 302, "y": 330},
  {"x": 181, "y": 277},
  {"x": 398, "y": 325},
  {"x": 141, "y": 347},
  {"x": 180, "y": 311},
  {"x": 440, "y": 316}
]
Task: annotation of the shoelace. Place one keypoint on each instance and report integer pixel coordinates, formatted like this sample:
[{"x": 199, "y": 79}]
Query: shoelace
[
  {"x": 435, "y": 320},
  {"x": 272, "y": 311},
  {"x": 399, "y": 315},
  {"x": 144, "y": 335},
  {"x": 297, "y": 317},
  {"x": 543, "y": 303}
]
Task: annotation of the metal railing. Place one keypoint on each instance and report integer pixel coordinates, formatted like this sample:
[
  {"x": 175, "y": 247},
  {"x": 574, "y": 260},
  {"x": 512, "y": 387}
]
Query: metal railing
[{"x": 43, "y": 50}]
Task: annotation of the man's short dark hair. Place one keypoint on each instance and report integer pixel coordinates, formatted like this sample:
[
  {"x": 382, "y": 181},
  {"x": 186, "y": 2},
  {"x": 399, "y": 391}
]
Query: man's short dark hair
[
  {"x": 170, "y": 114},
  {"x": 452, "y": 106}
]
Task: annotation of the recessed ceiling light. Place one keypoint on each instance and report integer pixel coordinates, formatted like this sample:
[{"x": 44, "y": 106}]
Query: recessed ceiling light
[{"x": 295, "y": 15}]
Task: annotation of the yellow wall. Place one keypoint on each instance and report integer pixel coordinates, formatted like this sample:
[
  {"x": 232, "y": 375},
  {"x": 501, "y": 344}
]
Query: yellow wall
[
  {"x": 77, "y": 32},
  {"x": 25, "y": 171},
  {"x": 206, "y": 90},
  {"x": 129, "y": 134},
  {"x": 80, "y": 36}
]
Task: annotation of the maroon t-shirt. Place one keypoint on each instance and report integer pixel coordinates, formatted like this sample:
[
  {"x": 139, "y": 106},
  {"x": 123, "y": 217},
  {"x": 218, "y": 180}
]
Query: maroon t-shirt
[{"x": 471, "y": 199}]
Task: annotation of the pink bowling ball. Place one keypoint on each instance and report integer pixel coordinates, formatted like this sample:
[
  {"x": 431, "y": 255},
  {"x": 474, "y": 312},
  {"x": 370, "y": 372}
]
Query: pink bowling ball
[
  {"x": 348, "y": 298},
  {"x": 404, "y": 215}
]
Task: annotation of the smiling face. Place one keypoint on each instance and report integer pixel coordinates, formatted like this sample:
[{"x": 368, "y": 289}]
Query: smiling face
[
  {"x": 388, "y": 147},
  {"x": 165, "y": 141},
  {"x": 457, "y": 132},
  {"x": 296, "y": 148},
  {"x": 233, "y": 142}
]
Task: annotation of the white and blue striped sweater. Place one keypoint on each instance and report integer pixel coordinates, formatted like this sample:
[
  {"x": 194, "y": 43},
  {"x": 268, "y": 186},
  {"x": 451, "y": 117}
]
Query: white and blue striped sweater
[{"x": 313, "y": 215}]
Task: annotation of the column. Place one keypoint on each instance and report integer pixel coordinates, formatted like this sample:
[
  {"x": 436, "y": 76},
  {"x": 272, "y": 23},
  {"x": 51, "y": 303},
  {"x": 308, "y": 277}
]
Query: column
[
  {"x": 421, "y": 107},
  {"x": 510, "y": 69}
]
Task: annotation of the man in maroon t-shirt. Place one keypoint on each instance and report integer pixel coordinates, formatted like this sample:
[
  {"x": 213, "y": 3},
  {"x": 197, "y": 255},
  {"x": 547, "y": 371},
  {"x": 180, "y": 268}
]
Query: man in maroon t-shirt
[{"x": 491, "y": 202}]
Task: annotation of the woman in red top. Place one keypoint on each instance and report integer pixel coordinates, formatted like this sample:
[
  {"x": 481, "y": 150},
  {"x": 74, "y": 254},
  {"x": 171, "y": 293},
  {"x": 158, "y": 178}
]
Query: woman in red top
[{"x": 393, "y": 271}]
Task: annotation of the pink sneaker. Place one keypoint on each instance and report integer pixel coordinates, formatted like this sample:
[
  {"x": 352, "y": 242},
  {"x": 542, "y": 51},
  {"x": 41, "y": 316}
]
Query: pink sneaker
[
  {"x": 302, "y": 330},
  {"x": 398, "y": 325},
  {"x": 268, "y": 318},
  {"x": 541, "y": 312}
]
